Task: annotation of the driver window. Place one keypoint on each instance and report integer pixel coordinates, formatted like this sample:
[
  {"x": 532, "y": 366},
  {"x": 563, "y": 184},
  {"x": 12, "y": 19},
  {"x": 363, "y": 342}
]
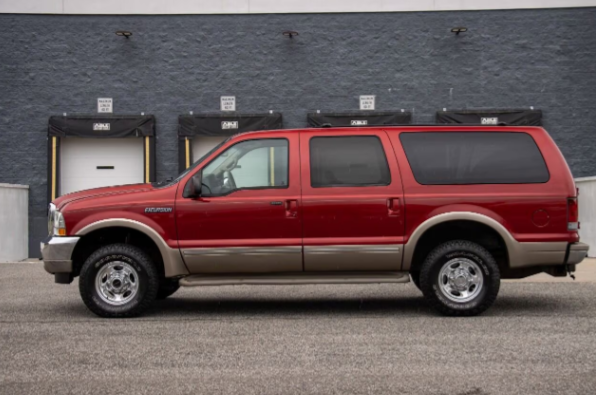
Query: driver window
[{"x": 251, "y": 164}]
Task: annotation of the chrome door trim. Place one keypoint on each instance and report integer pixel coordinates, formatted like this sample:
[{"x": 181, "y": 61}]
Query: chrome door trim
[
  {"x": 225, "y": 251},
  {"x": 358, "y": 249}
]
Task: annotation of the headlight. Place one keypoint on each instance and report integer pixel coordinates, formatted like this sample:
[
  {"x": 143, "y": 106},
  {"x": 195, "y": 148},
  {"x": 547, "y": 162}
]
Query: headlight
[{"x": 56, "y": 224}]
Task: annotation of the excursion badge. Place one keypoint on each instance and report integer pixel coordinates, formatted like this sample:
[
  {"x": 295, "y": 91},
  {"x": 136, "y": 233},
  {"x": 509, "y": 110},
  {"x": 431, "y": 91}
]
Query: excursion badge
[{"x": 158, "y": 209}]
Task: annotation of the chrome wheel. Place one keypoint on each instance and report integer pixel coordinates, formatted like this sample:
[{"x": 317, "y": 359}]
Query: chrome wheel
[
  {"x": 117, "y": 283},
  {"x": 460, "y": 280}
]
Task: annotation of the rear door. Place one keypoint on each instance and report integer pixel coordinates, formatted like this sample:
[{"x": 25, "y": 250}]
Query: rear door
[{"x": 352, "y": 198}]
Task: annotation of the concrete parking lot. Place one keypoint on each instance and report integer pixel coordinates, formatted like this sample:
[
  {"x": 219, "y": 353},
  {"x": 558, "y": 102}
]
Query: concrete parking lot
[{"x": 539, "y": 338}]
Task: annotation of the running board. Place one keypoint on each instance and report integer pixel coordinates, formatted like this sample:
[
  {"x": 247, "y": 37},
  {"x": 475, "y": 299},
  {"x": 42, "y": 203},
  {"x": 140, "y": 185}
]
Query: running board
[{"x": 295, "y": 279}]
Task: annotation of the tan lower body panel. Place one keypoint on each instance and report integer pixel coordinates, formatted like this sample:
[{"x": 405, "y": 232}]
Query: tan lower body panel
[
  {"x": 537, "y": 254},
  {"x": 329, "y": 258},
  {"x": 296, "y": 279},
  {"x": 243, "y": 259},
  {"x": 577, "y": 253}
]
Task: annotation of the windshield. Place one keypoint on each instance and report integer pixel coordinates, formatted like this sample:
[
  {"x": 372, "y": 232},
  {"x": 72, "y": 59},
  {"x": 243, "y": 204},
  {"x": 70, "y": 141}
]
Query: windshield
[{"x": 192, "y": 166}]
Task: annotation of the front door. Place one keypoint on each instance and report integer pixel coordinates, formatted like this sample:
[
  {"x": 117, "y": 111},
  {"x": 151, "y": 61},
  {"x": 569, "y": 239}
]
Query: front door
[
  {"x": 248, "y": 216},
  {"x": 353, "y": 209}
]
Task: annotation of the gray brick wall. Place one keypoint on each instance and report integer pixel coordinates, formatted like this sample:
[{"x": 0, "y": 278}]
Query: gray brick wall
[{"x": 175, "y": 64}]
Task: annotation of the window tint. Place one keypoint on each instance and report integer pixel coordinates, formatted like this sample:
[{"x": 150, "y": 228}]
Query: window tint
[
  {"x": 474, "y": 158},
  {"x": 348, "y": 161},
  {"x": 260, "y": 163}
]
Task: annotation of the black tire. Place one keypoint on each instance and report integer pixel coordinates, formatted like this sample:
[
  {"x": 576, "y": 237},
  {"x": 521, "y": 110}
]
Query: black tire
[
  {"x": 148, "y": 280},
  {"x": 434, "y": 262},
  {"x": 416, "y": 279},
  {"x": 167, "y": 287}
]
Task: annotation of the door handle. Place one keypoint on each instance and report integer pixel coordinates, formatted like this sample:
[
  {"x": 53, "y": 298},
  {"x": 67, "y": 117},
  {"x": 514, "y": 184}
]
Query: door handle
[
  {"x": 291, "y": 208},
  {"x": 394, "y": 207}
]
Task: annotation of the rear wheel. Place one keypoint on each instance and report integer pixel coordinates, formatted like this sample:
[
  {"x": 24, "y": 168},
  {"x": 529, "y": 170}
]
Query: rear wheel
[
  {"x": 460, "y": 278},
  {"x": 118, "y": 280}
]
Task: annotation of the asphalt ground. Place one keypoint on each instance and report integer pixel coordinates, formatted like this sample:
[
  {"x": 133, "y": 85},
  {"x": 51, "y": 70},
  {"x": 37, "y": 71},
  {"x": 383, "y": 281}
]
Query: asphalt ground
[{"x": 538, "y": 338}]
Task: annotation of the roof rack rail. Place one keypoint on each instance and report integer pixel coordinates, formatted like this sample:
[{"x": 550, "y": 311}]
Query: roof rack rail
[
  {"x": 450, "y": 125},
  {"x": 328, "y": 125}
]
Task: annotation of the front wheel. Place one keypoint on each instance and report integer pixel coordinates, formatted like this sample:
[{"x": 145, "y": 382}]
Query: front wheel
[
  {"x": 118, "y": 280},
  {"x": 460, "y": 278}
]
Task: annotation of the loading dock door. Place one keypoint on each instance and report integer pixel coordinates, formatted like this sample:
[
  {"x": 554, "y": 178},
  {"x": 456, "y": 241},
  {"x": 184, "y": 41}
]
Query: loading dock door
[
  {"x": 93, "y": 163},
  {"x": 198, "y": 134},
  {"x": 359, "y": 118},
  {"x": 203, "y": 144},
  {"x": 90, "y": 151}
]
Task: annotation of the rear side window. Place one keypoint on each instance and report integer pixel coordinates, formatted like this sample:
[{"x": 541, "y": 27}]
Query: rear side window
[
  {"x": 474, "y": 158},
  {"x": 345, "y": 161}
]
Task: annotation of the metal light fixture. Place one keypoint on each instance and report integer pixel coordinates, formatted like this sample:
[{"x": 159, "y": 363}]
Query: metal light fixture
[
  {"x": 289, "y": 33},
  {"x": 458, "y": 30},
  {"x": 124, "y": 33}
]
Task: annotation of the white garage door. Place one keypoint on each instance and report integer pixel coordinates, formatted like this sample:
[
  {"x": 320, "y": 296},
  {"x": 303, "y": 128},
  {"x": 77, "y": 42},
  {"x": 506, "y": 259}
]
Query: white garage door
[
  {"x": 203, "y": 144},
  {"x": 93, "y": 163}
]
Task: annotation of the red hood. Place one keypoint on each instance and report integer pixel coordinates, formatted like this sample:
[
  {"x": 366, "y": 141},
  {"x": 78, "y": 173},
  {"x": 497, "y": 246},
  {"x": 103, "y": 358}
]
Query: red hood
[{"x": 89, "y": 193}]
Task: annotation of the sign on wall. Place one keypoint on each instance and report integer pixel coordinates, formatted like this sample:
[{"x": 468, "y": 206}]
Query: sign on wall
[
  {"x": 104, "y": 105},
  {"x": 101, "y": 126},
  {"x": 367, "y": 102},
  {"x": 228, "y": 103},
  {"x": 229, "y": 125},
  {"x": 489, "y": 120}
]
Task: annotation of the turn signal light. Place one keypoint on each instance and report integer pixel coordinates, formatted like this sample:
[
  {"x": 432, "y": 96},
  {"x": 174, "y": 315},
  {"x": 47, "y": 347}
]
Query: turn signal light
[{"x": 61, "y": 232}]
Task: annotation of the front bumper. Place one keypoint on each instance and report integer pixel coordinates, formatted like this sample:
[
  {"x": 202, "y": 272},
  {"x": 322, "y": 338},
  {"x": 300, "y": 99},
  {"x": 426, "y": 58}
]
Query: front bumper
[
  {"x": 56, "y": 253},
  {"x": 577, "y": 253}
]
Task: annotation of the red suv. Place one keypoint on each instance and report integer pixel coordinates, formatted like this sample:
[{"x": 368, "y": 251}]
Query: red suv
[{"x": 454, "y": 208}]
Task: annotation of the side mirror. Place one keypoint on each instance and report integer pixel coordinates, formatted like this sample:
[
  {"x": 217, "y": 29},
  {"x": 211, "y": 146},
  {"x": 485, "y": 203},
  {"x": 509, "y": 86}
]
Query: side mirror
[{"x": 193, "y": 188}]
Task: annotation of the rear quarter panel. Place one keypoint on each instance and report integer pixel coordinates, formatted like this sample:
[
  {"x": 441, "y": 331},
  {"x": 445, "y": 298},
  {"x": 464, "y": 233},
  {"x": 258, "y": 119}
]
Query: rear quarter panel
[{"x": 512, "y": 205}]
